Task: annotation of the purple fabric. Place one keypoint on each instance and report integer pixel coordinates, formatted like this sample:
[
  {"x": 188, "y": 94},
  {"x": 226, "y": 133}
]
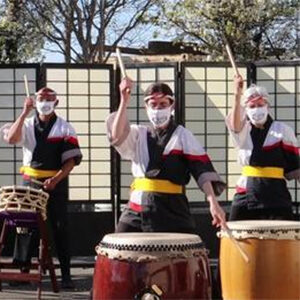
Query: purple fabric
[{"x": 21, "y": 219}]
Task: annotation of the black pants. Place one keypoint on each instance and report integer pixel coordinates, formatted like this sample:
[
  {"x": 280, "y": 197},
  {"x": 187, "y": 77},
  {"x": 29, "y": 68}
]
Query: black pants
[
  {"x": 26, "y": 244},
  {"x": 124, "y": 227},
  {"x": 238, "y": 213},
  {"x": 161, "y": 214}
]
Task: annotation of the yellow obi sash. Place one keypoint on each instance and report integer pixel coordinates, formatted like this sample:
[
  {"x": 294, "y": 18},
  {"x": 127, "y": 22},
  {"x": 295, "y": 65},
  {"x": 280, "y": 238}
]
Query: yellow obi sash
[
  {"x": 156, "y": 185},
  {"x": 37, "y": 173},
  {"x": 267, "y": 172}
]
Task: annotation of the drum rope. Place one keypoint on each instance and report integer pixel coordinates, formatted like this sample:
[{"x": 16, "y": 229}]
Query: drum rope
[{"x": 20, "y": 199}]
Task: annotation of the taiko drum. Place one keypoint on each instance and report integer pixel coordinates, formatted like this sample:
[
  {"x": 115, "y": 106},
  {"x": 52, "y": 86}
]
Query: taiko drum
[
  {"x": 164, "y": 265},
  {"x": 273, "y": 270}
]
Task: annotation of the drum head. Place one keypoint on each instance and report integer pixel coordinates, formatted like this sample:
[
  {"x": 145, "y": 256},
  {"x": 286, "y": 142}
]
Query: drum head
[
  {"x": 264, "y": 229},
  {"x": 128, "y": 245},
  {"x": 263, "y": 225},
  {"x": 151, "y": 238}
]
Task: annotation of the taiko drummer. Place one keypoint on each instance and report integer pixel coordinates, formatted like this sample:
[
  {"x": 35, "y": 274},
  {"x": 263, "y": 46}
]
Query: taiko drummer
[
  {"x": 268, "y": 153},
  {"x": 164, "y": 156},
  {"x": 50, "y": 151}
]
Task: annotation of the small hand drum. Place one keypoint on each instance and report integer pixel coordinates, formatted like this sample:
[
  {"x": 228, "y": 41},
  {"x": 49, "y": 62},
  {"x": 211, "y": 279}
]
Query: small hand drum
[{"x": 23, "y": 199}]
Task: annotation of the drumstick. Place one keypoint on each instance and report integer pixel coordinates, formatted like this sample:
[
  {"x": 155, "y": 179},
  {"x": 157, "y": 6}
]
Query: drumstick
[
  {"x": 236, "y": 243},
  {"x": 37, "y": 181},
  {"x": 231, "y": 58},
  {"x": 26, "y": 86},
  {"x": 28, "y": 178},
  {"x": 122, "y": 67},
  {"x": 121, "y": 64}
]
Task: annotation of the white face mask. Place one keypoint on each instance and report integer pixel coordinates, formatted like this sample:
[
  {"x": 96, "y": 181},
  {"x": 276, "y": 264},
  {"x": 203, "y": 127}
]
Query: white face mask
[
  {"x": 257, "y": 115},
  {"x": 159, "y": 117},
  {"x": 45, "y": 107}
]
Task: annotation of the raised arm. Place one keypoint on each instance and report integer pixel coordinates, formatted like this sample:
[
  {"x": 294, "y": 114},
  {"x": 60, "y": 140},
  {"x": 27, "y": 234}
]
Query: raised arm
[
  {"x": 121, "y": 120},
  {"x": 235, "y": 117},
  {"x": 14, "y": 134}
]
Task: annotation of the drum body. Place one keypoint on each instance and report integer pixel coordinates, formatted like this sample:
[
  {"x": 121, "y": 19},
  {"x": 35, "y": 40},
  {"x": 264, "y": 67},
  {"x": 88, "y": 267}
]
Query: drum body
[
  {"x": 130, "y": 265},
  {"x": 23, "y": 199},
  {"x": 273, "y": 270}
]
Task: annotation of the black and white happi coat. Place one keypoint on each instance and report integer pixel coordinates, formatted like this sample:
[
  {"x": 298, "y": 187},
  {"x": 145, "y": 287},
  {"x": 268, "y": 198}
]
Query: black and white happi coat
[
  {"x": 273, "y": 146},
  {"x": 47, "y": 146},
  {"x": 172, "y": 154}
]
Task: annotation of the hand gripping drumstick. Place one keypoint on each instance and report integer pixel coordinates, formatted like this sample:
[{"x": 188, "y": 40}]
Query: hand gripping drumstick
[
  {"x": 231, "y": 58},
  {"x": 236, "y": 243},
  {"x": 122, "y": 67}
]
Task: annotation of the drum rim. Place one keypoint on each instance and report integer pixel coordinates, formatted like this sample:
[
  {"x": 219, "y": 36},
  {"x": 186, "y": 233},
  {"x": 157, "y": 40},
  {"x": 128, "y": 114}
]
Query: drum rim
[{"x": 151, "y": 248}]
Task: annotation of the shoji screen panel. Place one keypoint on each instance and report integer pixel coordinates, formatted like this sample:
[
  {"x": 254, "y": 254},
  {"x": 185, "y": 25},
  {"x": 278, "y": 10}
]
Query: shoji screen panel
[
  {"x": 12, "y": 94},
  {"x": 85, "y": 97},
  {"x": 283, "y": 84},
  {"x": 208, "y": 92},
  {"x": 143, "y": 76}
]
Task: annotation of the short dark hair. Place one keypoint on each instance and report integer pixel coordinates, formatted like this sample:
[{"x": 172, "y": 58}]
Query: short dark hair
[{"x": 158, "y": 87}]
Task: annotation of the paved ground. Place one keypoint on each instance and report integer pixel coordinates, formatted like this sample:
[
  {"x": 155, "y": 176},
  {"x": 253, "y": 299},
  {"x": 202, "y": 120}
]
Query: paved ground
[
  {"x": 82, "y": 278},
  {"x": 82, "y": 272}
]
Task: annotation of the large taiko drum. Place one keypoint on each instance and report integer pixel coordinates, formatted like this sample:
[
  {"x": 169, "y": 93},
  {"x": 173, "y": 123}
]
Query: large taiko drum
[
  {"x": 151, "y": 266},
  {"x": 273, "y": 270},
  {"x": 23, "y": 199}
]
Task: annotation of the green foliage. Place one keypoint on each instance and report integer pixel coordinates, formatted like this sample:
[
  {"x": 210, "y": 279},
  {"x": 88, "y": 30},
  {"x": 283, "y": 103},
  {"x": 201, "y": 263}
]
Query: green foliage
[
  {"x": 19, "y": 41},
  {"x": 251, "y": 27}
]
